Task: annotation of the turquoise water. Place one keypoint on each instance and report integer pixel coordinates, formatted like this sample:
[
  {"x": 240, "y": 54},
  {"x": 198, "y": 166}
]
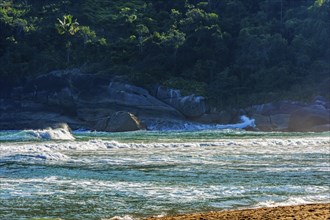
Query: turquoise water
[{"x": 100, "y": 175}]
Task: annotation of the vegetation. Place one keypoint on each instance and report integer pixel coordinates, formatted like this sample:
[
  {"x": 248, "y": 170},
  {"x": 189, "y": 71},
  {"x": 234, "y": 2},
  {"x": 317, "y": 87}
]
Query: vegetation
[{"x": 235, "y": 52}]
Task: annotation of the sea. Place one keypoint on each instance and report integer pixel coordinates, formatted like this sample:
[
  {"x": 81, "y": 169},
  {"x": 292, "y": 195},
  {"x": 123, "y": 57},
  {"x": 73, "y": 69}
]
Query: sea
[{"x": 57, "y": 174}]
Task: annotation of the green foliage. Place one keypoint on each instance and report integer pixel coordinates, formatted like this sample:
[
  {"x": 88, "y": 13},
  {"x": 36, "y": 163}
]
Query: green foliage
[
  {"x": 67, "y": 25},
  {"x": 319, "y": 3},
  {"x": 186, "y": 86},
  {"x": 234, "y": 52}
]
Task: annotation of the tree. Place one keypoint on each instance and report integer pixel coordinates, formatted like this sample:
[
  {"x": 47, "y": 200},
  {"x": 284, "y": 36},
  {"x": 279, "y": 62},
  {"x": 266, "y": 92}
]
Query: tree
[{"x": 67, "y": 27}]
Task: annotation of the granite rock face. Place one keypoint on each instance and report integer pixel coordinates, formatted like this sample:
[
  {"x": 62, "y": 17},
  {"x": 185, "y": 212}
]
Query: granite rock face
[
  {"x": 310, "y": 118},
  {"x": 191, "y": 106},
  {"x": 80, "y": 100},
  {"x": 99, "y": 102},
  {"x": 119, "y": 122},
  {"x": 292, "y": 116}
]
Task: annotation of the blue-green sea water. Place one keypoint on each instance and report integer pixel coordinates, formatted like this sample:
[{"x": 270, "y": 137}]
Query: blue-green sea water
[{"x": 99, "y": 175}]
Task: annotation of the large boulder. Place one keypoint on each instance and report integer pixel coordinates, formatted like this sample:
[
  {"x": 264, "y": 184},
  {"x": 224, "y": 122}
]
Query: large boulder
[
  {"x": 277, "y": 122},
  {"x": 281, "y": 107},
  {"x": 88, "y": 96},
  {"x": 118, "y": 122},
  {"x": 139, "y": 101},
  {"x": 191, "y": 106},
  {"x": 309, "y": 118},
  {"x": 321, "y": 128},
  {"x": 274, "y": 116}
]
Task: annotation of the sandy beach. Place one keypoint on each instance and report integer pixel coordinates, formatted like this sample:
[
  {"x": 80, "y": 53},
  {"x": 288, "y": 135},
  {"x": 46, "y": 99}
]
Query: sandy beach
[{"x": 298, "y": 212}]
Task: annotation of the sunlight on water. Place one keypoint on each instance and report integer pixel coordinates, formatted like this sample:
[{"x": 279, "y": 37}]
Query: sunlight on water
[{"x": 101, "y": 175}]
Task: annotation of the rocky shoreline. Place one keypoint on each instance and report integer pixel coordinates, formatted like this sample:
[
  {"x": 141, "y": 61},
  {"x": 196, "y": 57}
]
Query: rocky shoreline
[{"x": 94, "y": 102}]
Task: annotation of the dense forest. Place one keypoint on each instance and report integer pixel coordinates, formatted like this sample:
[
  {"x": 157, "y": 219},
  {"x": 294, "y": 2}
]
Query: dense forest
[{"x": 234, "y": 52}]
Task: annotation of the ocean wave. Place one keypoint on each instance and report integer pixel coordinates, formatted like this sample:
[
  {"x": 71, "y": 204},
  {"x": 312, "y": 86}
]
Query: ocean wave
[
  {"x": 255, "y": 143},
  {"x": 33, "y": 135},
  {"x": 295, "y": 200},
  {"x": 58, "y": 151},
  {"x": 191, "y": 126},
  {"x": 34, "y": 156}
]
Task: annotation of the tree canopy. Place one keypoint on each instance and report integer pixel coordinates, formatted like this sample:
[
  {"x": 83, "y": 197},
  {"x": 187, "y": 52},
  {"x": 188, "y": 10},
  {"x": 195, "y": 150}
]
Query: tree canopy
[{"x": 235, "y": 52}]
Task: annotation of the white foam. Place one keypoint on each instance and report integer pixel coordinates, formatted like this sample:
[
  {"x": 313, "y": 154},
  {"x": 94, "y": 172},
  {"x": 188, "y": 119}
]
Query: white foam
[
  {"x": 44, "y": 134},
  {"x": 51, "y": 134},
  {"x": 255, "y": 145},
  {"x": 297, "y": 200},
  {"x": 61, "y": 151},
  {"x": 126, "y": 217},
  {"x": 189, "y": 126},
  {"x": 245, "y": 122}
]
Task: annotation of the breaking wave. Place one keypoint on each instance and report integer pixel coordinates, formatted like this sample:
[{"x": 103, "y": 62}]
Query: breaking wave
[
  {"x": 190, "y": 126},
  {"x": 33, "y": 135},
  {"x": 57, "y": 150}
]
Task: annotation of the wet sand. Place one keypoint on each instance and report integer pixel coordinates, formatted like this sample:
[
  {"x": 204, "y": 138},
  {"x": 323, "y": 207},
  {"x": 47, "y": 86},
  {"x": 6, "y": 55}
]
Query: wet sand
[{"x": 299, "y": 212}]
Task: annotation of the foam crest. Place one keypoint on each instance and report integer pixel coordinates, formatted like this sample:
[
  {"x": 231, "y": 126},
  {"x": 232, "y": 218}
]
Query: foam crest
[
  {"x": 42, "y": 134},
  {"x": 257, "y": 145},
  {"x": 51, "y": 134},
  {"x": 189, "y": 126},
  {"x": 263, "y": 145},
  {"x": 126, "y": 217},
  {"x": 297, "y": 200},
  {"x": 34, "y": 156}
]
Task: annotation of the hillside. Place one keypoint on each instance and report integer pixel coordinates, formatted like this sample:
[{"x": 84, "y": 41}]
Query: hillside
[{"x": 234, "y": 52}]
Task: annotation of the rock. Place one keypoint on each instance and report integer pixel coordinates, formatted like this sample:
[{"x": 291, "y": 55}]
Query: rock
[
  {"x": 305, "y": 119},
  {"x": 321, "y": 128},
  {"x": 118, "y": 122},
  {"x": 280, "y": 122},
  {"x": 320, "y": 100},
  {"x": 139, "y": 101},
  {"x": 130, "y": 95},
  {"x": 191, "y": 106},
  {"x": 277, "y": 122},
  {"x": 63, "y": 100},
  {"x": 223, "y": 117},
  {"x": 90, "y": 96},
  {"x": 274, "y": 116},
  {"x": 262, "y": 122},
  {"x": 281, "y": 107},
  {"x": 88, "y": 114},
  {"x": 27, "y": 119},
  {"x": 88, "y": 85},
  {"x": 51, "y": 82}
]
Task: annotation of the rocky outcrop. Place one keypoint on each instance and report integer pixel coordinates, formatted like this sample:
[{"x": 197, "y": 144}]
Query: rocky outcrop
[
  {"x": 281, "y": 107},
  {"x": 311, "y": 118},
  {"x": 98, "y": 102},
  {"x": 118, "y": 96},
  {"x": 191, "y": 106},
  {"x": 78, "y": 99},
  {"x": 292, "y": 116},
  {"x": 118, "y": 122},
  {"x": 274, "y": 116},
  {"x": 145, "y": 105},
  {"x": 276, "y": 122}
]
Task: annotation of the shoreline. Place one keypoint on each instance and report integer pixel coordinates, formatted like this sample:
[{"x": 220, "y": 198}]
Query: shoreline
[{"x": 317, "y": 211}]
